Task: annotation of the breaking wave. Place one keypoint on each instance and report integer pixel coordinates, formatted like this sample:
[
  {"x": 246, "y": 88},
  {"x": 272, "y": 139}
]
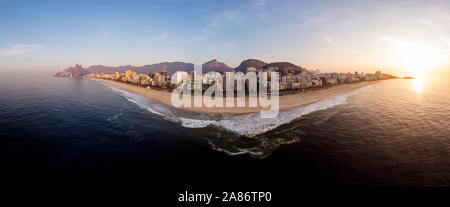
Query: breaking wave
[
  {"x": 248, "y": 125},
  {"x": 253, "y": 124}
]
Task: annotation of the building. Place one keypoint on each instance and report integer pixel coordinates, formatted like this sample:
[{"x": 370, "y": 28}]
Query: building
[
  {"x": 251, "y": 69},
  {"x": 179, "y": 77}
]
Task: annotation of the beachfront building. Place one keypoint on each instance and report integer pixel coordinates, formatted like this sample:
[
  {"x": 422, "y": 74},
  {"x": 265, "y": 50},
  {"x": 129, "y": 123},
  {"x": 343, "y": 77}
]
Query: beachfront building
[
  {"x": 251, "y": 69},
  {"x": 282, "y": 86},
  {"x": 129, "y": 75},
  {"x": 179, "y": 78},
  {"x": 370, "y": 77},
  {"x": 289, "y": 80}
]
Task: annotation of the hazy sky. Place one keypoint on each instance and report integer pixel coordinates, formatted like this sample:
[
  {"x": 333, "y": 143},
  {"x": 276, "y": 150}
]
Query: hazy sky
[{"x": 328, "y": 35}]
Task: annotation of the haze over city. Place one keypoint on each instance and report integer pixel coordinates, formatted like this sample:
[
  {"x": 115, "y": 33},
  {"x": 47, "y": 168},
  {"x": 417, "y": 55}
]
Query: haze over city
[{"x": 398, "y": 37}]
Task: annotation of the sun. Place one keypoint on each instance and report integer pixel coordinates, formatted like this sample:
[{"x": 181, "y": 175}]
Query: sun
[{"x": 416, "y": 59}]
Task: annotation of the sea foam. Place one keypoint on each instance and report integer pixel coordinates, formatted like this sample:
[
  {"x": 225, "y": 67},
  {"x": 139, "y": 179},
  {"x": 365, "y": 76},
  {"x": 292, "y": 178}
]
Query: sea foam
[{"x": 248, "y": 124}]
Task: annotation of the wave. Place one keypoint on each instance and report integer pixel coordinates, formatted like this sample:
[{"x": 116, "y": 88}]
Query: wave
[
  {"x": 248, "y": 125},
  {"x": 253, "y": 124},
  {"x": 239, "y": 151},
  {"x": 259, "y": 151},
  {"x": 141, "y": 101},
  {"x": 195, "y": 123}
]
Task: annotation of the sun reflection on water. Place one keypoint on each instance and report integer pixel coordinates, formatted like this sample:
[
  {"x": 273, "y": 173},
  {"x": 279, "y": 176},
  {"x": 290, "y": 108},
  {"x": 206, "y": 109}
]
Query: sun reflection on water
[{"x": 418, "y": 85}]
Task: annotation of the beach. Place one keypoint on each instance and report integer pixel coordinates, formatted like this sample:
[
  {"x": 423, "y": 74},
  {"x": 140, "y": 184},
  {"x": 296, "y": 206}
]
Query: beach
[{"x": 285, "y": 102}]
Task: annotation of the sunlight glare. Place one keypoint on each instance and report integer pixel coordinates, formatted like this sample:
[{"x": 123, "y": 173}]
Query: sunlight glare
[
  {"x": 417, "y": 59},
  {"x": 418, "y": 85}
]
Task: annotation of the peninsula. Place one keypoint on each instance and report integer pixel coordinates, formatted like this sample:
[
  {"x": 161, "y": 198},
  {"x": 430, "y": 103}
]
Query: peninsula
[{"x": 297, "y": 86}]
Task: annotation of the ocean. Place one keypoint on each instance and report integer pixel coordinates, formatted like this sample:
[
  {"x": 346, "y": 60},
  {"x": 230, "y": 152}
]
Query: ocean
[{"x": 392, "y": 133}]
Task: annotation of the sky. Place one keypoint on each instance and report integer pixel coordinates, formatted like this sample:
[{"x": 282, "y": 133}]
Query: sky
[{"x": 341, "y": 36}]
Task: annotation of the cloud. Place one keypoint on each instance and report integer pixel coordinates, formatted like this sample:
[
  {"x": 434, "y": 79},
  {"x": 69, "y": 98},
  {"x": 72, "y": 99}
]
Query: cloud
[
  {"x": 320, "y": 21},
  {"x": 229, "y": 44},
  {"x": 257, "y": 3},
  {"x": 242, "y": 14},
  {"x": 21, "y": 49},
  {"x": 31, "y": 51},
  {"x": 160, "y": 37},
  {"x": 428, "y": 23},
  {"x": 105, "y": 32},
  {"x": 210, "y": 28},
  {"x": 330, "y": 40},
  {"x": 54, "y": 58},
  {"x": 387, "y": 39},
  {"x": 221, "y": 20}
]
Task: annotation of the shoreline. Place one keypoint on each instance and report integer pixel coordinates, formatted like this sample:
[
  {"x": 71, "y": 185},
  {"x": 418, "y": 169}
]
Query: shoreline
[{"x": 285, "y": 101}]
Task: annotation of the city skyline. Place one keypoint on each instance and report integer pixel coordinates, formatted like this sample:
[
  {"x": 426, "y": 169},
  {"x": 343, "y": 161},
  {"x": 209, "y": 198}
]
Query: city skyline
[{"x": 362, "y": 36}]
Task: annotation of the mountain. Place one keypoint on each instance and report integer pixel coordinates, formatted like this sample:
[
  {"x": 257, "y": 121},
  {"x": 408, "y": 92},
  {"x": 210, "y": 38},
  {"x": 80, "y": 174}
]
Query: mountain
[
  {"x": 250, "y": 63},
  {"x": 76, "y": 71},
  {"x": 282, "y": 67},
  {"x": 285, "y": 67},
  {"x": 214, "y": 65},
  {"x": 172, "y": 67}
]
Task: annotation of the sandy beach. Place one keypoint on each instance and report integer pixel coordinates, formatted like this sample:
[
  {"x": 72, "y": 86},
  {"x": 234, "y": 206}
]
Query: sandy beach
[{"x": 285, "y": 101}]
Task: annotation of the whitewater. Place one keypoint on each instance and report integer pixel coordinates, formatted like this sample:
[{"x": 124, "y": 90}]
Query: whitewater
[{"x": 247, "y": 125}]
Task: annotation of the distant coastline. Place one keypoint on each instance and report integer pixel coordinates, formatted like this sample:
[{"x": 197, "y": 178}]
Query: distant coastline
[{"x": 297, "y": 85}]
